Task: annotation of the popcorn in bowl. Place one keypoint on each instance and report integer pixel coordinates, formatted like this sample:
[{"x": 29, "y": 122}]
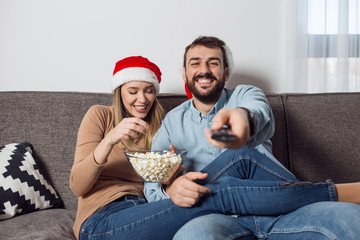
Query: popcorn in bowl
[{"x": 155, "y": 166}]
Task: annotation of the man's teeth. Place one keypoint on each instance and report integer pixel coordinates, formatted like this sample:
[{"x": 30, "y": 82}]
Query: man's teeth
[{"x": 204, "y": 81}]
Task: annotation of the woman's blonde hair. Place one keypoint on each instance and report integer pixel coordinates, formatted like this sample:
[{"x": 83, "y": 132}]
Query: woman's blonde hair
[{"x": 153, "y": 118}]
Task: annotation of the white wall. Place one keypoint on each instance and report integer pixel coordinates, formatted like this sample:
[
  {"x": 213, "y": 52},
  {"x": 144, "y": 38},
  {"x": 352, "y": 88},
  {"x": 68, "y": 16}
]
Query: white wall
[{"x": 72, "y": 45}]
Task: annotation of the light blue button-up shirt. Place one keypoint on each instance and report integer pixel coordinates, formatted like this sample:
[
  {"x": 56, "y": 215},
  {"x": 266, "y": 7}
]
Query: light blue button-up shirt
[{"x": 184, "y": 127}]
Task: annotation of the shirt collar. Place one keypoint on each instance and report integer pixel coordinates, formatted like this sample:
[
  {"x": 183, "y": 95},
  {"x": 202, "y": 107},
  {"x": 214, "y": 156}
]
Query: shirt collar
[{"x": 218, "y": 105}]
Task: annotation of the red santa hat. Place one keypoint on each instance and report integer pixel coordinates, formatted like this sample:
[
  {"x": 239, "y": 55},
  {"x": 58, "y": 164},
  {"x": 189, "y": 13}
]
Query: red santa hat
[
  {"x": 230, "y": 62},
  {"x": 136, "y": 68}
]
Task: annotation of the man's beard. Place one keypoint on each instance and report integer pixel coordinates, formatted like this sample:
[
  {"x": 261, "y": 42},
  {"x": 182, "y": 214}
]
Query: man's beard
[{"x": 209, "y": 97}]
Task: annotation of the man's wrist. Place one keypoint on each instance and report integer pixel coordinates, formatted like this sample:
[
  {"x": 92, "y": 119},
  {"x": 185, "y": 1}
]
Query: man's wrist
[{"x": 163, "y": 190}]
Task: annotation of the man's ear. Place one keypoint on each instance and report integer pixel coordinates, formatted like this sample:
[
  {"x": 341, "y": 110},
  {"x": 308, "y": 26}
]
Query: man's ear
[
  {"x": 184, "y": 75},
  {"x": 227, "y": 73}
]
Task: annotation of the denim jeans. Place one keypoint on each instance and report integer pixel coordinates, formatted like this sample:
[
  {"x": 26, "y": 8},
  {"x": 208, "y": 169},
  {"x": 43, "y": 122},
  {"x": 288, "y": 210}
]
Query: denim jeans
[
  {"x": 317, "y": 221},
  {"x": 242, "y": 182}
]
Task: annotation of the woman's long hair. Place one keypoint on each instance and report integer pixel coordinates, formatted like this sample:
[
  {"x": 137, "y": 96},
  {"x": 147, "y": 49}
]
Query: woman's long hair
[{"x": 153, "y": 118}]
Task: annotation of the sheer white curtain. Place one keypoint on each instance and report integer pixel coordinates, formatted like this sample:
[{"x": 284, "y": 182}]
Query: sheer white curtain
[{"x": 323, "y": 46}]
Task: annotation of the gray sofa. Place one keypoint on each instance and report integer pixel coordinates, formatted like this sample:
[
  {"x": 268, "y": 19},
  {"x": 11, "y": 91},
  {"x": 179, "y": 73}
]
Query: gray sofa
[{"x": 317, "y": 137}]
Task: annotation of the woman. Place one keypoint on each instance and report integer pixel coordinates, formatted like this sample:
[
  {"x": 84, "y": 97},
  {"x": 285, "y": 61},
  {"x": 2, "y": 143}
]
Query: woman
[
  {"x": 111, "y": 203},
  {"x": 101, "y": 174}
]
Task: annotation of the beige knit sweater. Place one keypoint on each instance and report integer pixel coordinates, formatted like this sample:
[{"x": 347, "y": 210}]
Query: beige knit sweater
[{"x": 97, "y": 185}]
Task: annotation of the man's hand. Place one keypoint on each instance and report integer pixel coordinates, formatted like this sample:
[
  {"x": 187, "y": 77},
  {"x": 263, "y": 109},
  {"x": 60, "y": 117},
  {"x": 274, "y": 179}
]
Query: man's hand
[
  {"x": 184, "y": 192},
  {"x": 238, "y": 120}
]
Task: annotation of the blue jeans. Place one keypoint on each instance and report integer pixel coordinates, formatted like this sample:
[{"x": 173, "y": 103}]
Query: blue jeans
[
  {"x": 242, "y": 182},
  {"x": 317, "y": 221}
]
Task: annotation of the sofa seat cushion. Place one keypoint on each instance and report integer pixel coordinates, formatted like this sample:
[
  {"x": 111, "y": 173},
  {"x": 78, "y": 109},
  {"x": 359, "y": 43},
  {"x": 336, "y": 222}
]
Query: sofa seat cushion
[{"x": 47, "y": 224}]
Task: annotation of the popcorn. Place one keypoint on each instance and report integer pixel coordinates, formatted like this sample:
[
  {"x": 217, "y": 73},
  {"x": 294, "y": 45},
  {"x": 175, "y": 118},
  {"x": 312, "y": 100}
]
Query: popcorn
[{"x": 155, "y": 166}]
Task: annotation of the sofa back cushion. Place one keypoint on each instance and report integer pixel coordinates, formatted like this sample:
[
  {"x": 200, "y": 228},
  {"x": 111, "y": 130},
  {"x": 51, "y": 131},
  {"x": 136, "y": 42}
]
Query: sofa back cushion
[
  {"x": 49, "y": 121},
  {"x": 279, "y": 140},
  {"x": 324, "y": 136}
]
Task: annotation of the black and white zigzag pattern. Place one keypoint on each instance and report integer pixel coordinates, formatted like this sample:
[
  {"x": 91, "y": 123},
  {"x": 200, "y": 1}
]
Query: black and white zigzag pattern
[{"x": 23, "y": 188}]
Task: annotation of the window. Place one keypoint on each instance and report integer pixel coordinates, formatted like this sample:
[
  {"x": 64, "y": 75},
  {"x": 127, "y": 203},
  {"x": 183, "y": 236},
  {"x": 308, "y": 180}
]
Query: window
[{"x": 333, "y": 45}]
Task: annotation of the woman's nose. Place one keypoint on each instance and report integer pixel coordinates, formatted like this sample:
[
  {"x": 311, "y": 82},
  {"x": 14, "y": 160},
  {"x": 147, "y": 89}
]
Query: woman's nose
[{"x": 141, "y": 97}]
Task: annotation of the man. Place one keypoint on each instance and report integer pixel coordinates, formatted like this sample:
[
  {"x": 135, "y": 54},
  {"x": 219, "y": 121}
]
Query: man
[{"x": 207, "y": 65}]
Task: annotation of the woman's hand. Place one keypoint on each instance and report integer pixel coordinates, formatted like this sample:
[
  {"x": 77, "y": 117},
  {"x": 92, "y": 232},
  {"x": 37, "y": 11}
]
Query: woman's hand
[
  {"x": 173, "y": 148},
  {"x": 128, "y": 128}
]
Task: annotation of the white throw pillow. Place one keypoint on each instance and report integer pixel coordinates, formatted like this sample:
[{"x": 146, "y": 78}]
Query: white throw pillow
[{"x": 23, "y": 188}]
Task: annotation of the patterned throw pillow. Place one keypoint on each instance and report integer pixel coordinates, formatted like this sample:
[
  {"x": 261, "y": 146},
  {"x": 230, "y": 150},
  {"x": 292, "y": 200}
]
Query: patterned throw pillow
[{"x": 23, "y": 188}]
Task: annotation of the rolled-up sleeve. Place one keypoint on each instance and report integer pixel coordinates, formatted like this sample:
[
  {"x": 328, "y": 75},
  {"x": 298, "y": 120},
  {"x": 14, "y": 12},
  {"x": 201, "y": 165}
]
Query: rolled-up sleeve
[{"x": 254, "y": 101}]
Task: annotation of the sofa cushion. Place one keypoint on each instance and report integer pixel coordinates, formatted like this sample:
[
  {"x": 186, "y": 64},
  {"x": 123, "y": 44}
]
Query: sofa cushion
[
  {"x": 49, "y": 121},
  {"x": 323, "y": 134},
  {"x": 279, "y": 141},
  {"x": 54, "y": 224},
  {"x": 23, "y": 188}
]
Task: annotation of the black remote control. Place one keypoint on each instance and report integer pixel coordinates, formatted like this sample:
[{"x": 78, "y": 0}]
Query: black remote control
[{"x": 223, "y": 135}]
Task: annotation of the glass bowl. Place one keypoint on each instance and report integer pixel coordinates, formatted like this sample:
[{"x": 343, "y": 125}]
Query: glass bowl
[{"x": 155, "y": 166}]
